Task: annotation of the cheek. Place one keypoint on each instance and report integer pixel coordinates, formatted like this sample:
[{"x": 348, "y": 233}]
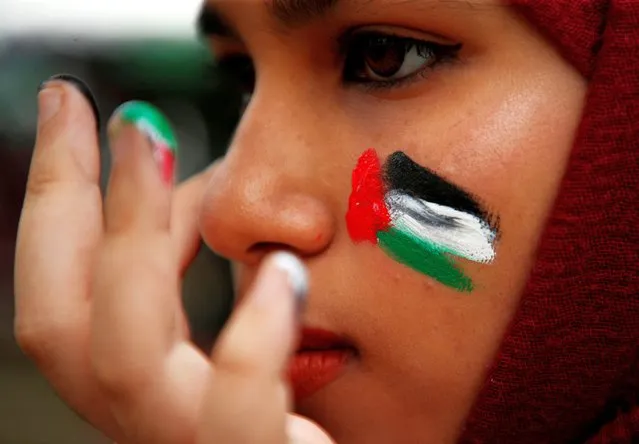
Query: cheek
[
  {"x": 506, "y": 142},
  {"x": 515, "y": 145},
  {"x": 509, "y": 146},
  {"x": 512, "y": 151}
]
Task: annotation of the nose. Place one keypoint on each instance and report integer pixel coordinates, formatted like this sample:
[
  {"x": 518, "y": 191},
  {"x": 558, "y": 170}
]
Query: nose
[{"x": 268, "y": 192}]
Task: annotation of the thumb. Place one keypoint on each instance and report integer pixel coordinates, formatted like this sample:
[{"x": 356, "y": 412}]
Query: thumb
[{"x": 248, "y": 398}]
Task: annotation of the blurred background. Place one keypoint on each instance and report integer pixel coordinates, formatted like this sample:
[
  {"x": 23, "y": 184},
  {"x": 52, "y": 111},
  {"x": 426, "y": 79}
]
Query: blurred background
[{"x": 124, "y": 50}]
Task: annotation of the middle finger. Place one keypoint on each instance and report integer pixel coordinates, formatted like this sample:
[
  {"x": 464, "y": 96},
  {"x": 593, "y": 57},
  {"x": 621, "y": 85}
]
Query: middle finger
[{"x": 136, "y": 286}]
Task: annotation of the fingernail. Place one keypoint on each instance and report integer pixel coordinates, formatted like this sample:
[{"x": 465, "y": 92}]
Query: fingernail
[
  {"x": 156, "y": 127},
  {"x": 49, "y": 103},
  {"x": 81, "y": 86},
  {"x": 297, "y": 276}
]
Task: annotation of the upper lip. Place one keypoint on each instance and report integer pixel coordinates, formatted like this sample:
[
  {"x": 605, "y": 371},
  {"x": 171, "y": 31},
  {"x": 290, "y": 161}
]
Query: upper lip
[{"x": 317, "y": 339}]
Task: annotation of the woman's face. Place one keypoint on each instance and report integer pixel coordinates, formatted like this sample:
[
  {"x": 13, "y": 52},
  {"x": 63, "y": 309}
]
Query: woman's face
[{"x": 466, "y": 89}]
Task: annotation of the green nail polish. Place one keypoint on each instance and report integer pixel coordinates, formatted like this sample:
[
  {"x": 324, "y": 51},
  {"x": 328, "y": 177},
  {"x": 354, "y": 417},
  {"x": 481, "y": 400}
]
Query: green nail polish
[{"x": 150, "y": 121}]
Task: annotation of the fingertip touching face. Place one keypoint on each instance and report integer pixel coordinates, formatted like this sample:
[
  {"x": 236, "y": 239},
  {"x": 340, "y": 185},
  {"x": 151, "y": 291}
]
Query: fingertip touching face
[{"x": 410, "y": 152}]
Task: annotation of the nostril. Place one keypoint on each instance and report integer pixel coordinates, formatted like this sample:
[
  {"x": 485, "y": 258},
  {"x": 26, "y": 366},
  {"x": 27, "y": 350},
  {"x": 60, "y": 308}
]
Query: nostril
[
  {"x": 233, "y": 222},
  {"x": 265, "y": 248}
]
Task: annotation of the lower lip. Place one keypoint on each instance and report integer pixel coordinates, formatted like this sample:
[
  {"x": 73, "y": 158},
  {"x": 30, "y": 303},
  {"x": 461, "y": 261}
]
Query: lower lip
[{"x": 312, "y": 370}]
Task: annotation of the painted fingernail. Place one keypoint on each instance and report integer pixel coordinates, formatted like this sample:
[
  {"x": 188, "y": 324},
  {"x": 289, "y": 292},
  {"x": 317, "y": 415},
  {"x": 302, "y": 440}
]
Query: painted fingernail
[
  {"x": 297, "y": 275},
  {"x": 81, "y": 86},
  {"x": 156, "y": 127}
]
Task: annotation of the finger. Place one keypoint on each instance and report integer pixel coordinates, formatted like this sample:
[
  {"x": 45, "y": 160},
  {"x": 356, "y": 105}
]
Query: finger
[
  {"x": 185, "y": 217},
  {"x": 136, "y": 277},
  {"x": 185, "y": 213},
  {"x": 136, "y": 286},
  {"x": 248, "y": 398},
  {"x": 143, "y": 149},
  {"x": 60, "y": 226}
]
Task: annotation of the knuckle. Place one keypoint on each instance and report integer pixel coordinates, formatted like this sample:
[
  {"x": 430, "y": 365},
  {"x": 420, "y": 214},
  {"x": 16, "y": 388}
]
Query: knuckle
[
  {"x": 28, "y": 340},
  {"x": 42, "y": 178},
  {"x": 37, "y": 339}
]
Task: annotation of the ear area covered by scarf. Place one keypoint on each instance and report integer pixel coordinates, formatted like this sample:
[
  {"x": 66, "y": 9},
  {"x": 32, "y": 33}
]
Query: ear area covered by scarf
[{"x": 567, "y": 370}]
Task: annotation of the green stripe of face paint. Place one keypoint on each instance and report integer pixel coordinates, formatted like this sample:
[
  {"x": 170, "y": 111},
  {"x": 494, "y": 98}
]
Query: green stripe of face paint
[
  {"x": 151, "y": 121},
  {"x": 424, "y": 257}
]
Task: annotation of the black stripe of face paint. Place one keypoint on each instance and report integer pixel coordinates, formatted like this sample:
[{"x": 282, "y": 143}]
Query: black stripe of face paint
[{"x": 403, "y": 174}]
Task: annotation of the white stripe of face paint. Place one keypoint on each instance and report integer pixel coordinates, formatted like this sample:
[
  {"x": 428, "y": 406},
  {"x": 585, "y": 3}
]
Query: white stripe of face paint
[{"x": 467, "y": 236}]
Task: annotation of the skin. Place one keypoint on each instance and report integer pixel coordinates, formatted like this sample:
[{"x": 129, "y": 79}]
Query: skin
[
  {"x": 499, "y": 123},
  {"x": 89, "y": 274}
]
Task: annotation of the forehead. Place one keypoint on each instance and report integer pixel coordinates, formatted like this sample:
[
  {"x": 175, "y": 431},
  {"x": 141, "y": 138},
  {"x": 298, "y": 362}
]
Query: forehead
[
  {"x": 295, "y": 12},
  {"x": 299, "y": 9}
]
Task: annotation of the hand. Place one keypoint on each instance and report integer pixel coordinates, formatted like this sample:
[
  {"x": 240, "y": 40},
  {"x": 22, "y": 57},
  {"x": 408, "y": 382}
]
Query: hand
[{"x": 98, "y": 295}]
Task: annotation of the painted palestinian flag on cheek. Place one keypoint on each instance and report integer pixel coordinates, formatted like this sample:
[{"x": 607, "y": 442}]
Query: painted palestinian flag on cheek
[{"x": 418, "y": 218}]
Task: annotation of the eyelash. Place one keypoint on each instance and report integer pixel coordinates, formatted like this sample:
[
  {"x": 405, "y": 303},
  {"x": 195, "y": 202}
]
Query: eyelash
[
  {"x": 239, "y": 67},
  {"x": 439, "y": 53}
]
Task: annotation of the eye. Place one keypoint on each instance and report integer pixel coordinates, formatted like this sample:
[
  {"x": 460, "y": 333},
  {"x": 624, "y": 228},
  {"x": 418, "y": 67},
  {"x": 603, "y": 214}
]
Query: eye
[
  {"x": 236, "y": 75},
  {"x": 387, "y": 59},
  {"x": 237, "y": 69}
]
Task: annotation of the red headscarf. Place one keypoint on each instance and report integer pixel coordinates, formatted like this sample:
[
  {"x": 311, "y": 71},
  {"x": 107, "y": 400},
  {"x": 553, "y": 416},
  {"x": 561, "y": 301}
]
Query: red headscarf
[{"x": 568, "y": 369}]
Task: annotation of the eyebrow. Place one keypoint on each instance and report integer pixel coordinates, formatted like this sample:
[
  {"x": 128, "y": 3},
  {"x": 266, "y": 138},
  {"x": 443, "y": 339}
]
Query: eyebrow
[
  {"x": 293, "y": 12},
  {"x": 290, "y": 13}
]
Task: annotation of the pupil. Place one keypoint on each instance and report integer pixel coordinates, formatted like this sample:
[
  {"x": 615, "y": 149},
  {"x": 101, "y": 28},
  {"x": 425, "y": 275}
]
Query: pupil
[{"x": 385, "y": 56}]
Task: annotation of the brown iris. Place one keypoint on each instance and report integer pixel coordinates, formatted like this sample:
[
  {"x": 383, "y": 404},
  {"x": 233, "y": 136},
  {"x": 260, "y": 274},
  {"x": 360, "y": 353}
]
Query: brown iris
[
  {"x": 386, "y": 59},
  {"x": 385, "y": 56}
]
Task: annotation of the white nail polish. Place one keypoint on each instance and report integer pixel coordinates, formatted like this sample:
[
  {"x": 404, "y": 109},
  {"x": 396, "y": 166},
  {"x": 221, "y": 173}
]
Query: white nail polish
[{"x": 296, "y": 272}]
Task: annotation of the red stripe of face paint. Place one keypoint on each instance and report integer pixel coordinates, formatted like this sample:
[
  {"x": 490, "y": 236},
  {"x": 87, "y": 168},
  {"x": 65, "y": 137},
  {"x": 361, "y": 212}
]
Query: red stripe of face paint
[{"x": 367, "y": 212}]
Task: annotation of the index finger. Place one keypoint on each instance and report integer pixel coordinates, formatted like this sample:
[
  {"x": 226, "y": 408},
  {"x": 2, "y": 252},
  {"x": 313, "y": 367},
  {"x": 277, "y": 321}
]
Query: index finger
[{"x": 61, "y": 220}]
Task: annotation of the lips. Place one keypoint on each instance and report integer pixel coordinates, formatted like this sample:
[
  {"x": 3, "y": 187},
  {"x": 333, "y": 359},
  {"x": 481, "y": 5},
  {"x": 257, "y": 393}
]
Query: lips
[{"x": 321, "y": 358}]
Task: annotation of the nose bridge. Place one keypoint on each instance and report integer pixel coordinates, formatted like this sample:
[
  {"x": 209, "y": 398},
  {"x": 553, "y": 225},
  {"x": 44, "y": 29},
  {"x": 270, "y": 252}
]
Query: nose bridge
[
  {"x": 285, "y": 135},
  {"x": 284, "y": 116},
  {"x": 267, "y": 192},
  {"x": 282, "y": 119}
]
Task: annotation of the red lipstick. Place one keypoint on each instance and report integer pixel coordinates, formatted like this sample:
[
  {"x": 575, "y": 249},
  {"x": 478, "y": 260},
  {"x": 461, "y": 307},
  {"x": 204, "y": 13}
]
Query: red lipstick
[{"x": 321, "y": 358}]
